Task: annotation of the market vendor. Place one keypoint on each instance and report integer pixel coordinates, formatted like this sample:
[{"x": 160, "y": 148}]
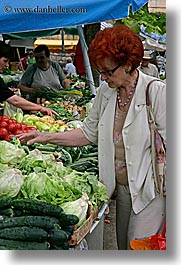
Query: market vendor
[
  {"x": 44, "y": 74},
  {"x": 9, "y": 94}
]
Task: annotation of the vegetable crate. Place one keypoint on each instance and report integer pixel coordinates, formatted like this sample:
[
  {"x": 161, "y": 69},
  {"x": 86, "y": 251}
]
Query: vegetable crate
[{"x": 81, "y": 232}]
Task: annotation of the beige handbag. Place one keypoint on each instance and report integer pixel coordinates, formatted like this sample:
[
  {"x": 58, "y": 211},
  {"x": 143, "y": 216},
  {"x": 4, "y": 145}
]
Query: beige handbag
[{"x": 158, "y": 150}]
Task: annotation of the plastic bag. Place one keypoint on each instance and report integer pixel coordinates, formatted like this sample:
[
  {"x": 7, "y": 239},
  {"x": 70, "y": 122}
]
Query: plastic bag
[{"x": 154, "y": 242}]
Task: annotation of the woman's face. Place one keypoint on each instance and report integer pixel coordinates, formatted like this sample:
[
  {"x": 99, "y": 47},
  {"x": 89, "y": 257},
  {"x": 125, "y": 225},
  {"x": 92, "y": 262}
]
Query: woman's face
[
  {"x": 114, "y": 74},
  {"x": 4, "y": 63}
]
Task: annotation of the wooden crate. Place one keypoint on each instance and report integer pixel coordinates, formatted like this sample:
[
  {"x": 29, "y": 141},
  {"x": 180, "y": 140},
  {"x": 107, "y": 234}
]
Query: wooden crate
[{"x": 81, "y": 232}]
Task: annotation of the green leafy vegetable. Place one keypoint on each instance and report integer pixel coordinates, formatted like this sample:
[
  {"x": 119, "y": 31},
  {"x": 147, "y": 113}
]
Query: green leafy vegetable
[
  {"x": 11, "y": 153},
  {"x": 11, "y": 181},
  {"x": 78, "y": 207}
]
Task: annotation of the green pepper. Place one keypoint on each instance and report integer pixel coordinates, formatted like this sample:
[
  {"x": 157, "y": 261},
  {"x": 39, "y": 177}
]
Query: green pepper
[
  {"x": 30, "y": 119},
  {"x": 19, "y": 117},
  {"x": 42, "y": 126},
  {"x": 54, "y": 128}
]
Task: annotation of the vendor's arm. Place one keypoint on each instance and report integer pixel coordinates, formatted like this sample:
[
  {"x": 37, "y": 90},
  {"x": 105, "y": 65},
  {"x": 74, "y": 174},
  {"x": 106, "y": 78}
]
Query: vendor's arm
[
  {"x": 26, "y": 81},
  {"x": 24, "y": 104},
  {"x": 74, "y": 137},
  {"x": 26, "y": 90}
]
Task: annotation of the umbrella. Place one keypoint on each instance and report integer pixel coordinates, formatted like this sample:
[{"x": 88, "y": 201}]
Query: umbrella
[
  {"x": 24, "y": 16},
  {"x": 21, "y": 16}
]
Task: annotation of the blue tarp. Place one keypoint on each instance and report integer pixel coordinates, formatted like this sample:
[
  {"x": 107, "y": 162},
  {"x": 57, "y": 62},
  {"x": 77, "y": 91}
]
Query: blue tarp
[{"x": 29, "y": 15}]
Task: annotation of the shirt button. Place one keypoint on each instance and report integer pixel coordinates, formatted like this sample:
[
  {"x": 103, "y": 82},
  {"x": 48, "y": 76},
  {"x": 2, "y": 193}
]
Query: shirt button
[
  {"x": 129, "y": 163},
  {"x": 132, "y": 179},
  {"x": 127, "y": 147}
]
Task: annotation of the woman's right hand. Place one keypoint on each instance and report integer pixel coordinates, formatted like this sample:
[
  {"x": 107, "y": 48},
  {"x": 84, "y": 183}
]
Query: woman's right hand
[{"x": 32, "y": 137}]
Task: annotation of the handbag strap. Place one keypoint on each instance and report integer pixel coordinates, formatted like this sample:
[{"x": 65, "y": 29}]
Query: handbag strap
[{"x": 147, "y": 91}]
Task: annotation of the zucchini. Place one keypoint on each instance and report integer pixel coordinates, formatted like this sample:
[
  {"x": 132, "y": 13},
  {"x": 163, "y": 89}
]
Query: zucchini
[
  {"x": 5, "y": 203},
  {"x": 57, "y": 237},
  {"x": 25, "y": 233},
  {"x": 23, "y": 245},
  {"x": 38, "y": 207},
  {"x": 45, "y": 222}
]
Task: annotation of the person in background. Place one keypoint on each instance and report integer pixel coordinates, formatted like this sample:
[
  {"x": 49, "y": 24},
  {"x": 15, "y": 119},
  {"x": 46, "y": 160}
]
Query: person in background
[
  {"x": 9, "y": 95},
  {"x": 148, "y": 68},
  {"x": 31, "y": 59},
  {"x": 118, "y": 124},
  {"x": 24, "y": 62},
  {"x": 70, "y": 67},
  {"x": 44, "y": 74}
]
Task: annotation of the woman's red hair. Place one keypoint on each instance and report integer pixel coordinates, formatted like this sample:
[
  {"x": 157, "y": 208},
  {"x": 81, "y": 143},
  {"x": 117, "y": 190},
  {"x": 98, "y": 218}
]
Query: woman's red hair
[{"x": 119, "y": 43}]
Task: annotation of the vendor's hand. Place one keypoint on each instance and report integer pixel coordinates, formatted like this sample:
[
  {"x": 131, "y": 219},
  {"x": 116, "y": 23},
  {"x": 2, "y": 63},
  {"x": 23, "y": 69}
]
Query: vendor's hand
[
  {"x": 14, "y": 89},
  {"x": 32, "y": 137},
  {"x": 48, "y": 111}
]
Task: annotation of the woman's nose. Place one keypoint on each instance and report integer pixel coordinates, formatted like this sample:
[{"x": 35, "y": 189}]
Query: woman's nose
[{"x": 103, "y": 77}]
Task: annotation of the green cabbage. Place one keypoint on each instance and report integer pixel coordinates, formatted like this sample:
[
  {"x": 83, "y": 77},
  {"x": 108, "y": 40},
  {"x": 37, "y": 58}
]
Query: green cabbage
[
  {"x": 10, "y": 153},
  {"x": 11, "y": 181},
  {"x": 78, "y": 207}
]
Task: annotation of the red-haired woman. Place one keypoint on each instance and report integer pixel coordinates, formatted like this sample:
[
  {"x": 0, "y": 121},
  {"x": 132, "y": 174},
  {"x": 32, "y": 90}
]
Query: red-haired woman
[{"x": 118, "y": 123}]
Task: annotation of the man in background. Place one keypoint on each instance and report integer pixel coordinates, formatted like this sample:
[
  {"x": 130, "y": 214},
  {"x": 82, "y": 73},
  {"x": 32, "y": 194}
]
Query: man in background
[
  {"x": 148, "y": 68},
  {"x": 70, "y": 67}
]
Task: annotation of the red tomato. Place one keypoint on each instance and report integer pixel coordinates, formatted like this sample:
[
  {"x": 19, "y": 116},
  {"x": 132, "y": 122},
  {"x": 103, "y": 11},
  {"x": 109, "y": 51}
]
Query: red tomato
[
  {"x": 18, "y": 131},
  {"x": 11, "y": 127},
  {"x": 3, "y": 124},
  {"x": 8, "y": 137},
  {"x": 31, "y": 128},
  {"x": 18, "y": 125},
  {"x": 23, "y": 126},
  {"x": 12, "y": 121},
  {"x": 4, "y": 118},
  {"x": 3, "y": 133},
  {"x": 25, "y": 130}
]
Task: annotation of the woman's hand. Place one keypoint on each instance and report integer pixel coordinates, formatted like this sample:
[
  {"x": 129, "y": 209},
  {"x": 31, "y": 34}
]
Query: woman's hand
[
  {"x": 32, "y": 137},
  {"x": 48, "y": 111}
]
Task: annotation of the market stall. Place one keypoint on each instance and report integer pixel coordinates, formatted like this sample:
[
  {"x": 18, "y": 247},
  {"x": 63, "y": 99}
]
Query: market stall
[{"x": 77, "y": 168}]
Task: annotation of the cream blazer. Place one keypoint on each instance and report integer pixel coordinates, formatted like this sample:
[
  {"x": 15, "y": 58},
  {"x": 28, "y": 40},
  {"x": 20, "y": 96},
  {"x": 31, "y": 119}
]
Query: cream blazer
[{"x": 98, "y": 128}]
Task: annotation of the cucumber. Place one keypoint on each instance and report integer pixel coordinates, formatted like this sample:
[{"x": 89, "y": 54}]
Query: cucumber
[
  {"x": 5, "y": 203},
  {"x": 57, "y": 237},
  {"x": 25, "y": 233},
  {"x": 68, "y": 219},
  {"x": 65, "y": 246},
  {"x": 69, "y": 229},
  {"x": 90, "y": 154},
  {"x": 7, "y": 212},
  {"x": 45, "y": 222},
  {"x": 38, "y": 207},
  {"x": 23, "y": 245}
]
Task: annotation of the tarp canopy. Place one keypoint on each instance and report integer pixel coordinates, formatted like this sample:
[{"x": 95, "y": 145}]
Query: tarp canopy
[
  {"x": 40, "y": 33},
  {"x": 33, "y": 15},
  {"x": 56, "y": 44}
]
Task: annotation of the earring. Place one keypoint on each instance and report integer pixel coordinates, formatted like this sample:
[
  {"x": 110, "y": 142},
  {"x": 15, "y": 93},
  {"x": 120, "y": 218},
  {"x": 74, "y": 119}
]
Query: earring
[{"x": 127, "y": 71}]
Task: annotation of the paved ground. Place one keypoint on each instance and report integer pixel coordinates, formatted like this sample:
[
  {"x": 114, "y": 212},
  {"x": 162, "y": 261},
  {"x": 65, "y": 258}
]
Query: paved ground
[{"x": 110, "y": 228}]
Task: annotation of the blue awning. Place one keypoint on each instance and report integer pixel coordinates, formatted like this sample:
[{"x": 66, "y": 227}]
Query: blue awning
[{"x": 31, "y": 15}]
